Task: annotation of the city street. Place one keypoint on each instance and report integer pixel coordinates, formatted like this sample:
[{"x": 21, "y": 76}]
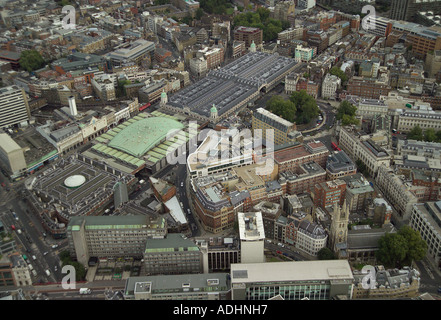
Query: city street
[{"x": 31, "y": 241}]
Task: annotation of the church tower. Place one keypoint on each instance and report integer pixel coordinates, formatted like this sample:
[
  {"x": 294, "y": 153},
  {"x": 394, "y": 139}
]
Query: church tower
[
  {"x": 164, "y": 98},
  {"x": 213, "y": 113},
  {"x": 339, "y": 227},
  {"x": 253, "y": 47}
]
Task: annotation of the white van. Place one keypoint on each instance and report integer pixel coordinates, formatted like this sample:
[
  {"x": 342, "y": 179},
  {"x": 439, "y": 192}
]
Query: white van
[{"x": 48, "y": 273}]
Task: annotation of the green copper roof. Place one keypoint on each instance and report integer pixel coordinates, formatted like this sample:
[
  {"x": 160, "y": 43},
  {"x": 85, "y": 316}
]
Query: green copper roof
[{"x": 143, "y": 135}]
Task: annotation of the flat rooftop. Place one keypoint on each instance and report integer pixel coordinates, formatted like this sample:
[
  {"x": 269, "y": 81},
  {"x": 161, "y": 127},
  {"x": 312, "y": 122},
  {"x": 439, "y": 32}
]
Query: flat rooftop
[
  {"x": 291, "y": 154},
  {"x": 116, "y": 222},
  {"x": 173, "y": 242},
  {"x": 35, "y": 146},
  {"x": 98, "y": 186},
  {"x": 232, "y": 84},
  {"x": 208, "y": 282},
  {"x": 291, "y": 271}
]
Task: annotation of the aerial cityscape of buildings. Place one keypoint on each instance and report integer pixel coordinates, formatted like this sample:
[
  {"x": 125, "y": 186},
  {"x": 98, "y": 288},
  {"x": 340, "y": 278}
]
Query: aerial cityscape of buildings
[{"x": 252, "y": 150}]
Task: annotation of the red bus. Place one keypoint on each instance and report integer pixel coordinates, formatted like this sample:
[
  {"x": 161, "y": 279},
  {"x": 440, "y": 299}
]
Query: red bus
[
  {"x": 144, "y": 106},
  {"x": 335, "y": 147}
]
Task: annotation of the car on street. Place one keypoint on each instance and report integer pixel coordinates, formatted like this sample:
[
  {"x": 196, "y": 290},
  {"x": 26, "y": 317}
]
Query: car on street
[
  {"x": 54, "y": 246},
  {"x": 45, "y": 253}
]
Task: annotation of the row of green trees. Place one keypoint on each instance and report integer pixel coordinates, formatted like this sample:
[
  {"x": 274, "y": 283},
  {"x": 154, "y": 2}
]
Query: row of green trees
[
  {"x": 401, "y": 248},
  {"x": 336, "y": 71},
  {"x": 261, "y": 19},
  {"x": 300, "y": 108},
  {"x": 430, "y": 135},
  {"x": 396, "y": 250},
  {"x": 31, "y": 60},
  {"x": 215, "y": 6},
  {"x": 346, "y": 113},
  {"x": 80, "y": 270}
]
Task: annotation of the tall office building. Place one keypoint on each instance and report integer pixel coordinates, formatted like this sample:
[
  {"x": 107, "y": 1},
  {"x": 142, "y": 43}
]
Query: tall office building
[
  {"x": 401, "y": 9},
  {"x": 112, "y": 236},
  {"x": 252, "y": 237},
  {"x": 172, "y": 255},
  {"x": 408, "y": 9},
  {"x": 14, "y": 108},
  {"x": 426, "y": 219}
]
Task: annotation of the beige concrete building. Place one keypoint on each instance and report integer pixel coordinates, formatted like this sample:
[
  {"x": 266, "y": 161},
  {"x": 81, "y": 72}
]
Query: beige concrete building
[
  {"x": 395, "y": 191},
  {"x": 423, "y": 116},
  {"x": 426, "y": 219},
  {"x": 14, "y": 108},
  {"x": 363, "y": 148},
  {"x": 330, "y": 85},
  {"x": 104, "y": 87},
  {"x": 21, "y": 270},
  {"x": 433, "y": 63},
  {"x": 11, "y": 155},
  {"x": 252, "y": 237},
  {"x": 112, "y": 236},
  {"x": 172, "y": 255}
]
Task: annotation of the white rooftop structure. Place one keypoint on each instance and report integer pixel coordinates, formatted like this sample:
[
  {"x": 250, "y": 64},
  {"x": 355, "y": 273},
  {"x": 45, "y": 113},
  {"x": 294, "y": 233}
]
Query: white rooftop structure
[
  {"x": 176, "y": 211},
  {"x": 74, "y": 181},
  {"x": 251, "y": 226},
  {"x": 287, "y": 271}
]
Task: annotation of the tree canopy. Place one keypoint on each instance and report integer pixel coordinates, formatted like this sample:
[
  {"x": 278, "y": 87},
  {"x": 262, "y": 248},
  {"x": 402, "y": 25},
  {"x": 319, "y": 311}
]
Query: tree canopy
[
  {"x": 31, "y": 60},
  {"x": 416, "y": 133},
  {"x": 261, "y": 19},
  {"x": 80, "y": 271},
  {"x": 120, "y": 90},
  {"x": 429, "y": 135},
  {"x": 306, "y": 105},
  {"x": 300, "y": 108},
  {"x": 336, "y": 71},
  {"x": 283, "y": 108},
  {"x": 401, "y": 248},
  {"x": 346, "y": 113},
  {"x": 215, "y": 6},
  {"x": 325, "y": 254}
]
